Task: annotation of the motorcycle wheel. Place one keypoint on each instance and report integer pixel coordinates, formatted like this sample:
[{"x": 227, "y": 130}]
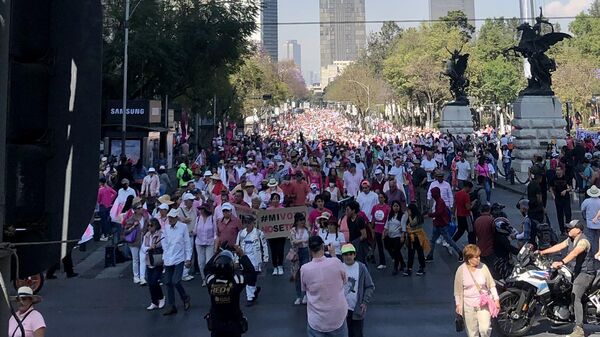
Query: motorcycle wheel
[{"x": 505, "y": 324}]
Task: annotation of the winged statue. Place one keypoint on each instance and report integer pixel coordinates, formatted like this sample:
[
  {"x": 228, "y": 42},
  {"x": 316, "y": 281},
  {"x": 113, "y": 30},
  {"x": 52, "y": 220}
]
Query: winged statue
[
  {"x": 455, "y": 68},
  {"x": 532, "y": 46}
]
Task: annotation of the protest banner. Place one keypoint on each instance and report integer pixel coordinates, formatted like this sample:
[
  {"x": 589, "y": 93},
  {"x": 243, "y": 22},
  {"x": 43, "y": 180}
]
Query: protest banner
[{"x": 277, "y": 223}]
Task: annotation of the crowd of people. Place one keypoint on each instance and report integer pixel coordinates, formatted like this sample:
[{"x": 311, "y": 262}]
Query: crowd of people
[{"x": 363, "y": 196}]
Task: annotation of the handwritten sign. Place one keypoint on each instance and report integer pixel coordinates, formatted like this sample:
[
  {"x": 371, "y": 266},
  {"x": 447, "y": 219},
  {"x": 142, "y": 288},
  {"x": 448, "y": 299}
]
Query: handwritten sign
[{"x": 275, "y": 223}]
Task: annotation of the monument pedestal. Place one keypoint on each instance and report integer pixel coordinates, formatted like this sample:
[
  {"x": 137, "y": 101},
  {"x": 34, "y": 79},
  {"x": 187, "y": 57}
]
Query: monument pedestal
[
  {"x": 538, "y": 121},
  {"x": 457, "y": 120}
]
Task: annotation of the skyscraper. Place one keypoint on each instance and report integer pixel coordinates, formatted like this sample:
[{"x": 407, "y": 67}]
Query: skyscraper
[
  {"x": 267, "y": 35},
  {"x": 292, "y": 51},
  {"x": 440, "y": 8},
  {"x": 342, "y": 42}
]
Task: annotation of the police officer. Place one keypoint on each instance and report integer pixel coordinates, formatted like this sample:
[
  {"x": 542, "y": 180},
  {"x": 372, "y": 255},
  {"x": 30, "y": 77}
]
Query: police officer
[
  {"x": 224, "y": 286},
  {"x": 579, "y": 248}
]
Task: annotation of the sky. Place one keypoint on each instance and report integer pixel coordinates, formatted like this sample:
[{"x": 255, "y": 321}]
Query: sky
[{"x": 382, "y": 10}]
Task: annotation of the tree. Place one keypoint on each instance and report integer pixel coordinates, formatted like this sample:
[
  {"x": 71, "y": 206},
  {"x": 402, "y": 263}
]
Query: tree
[
  {"x": 380, "y": 46},
  {"x": 358, "y": 85},
  {"x": 413, "y": 69},
  {"x": 256, "y": 77},
  {"x": 575, "y": 78},
  {"x": 496, "y": 77},
  {"x": 177, "y": 48},
  {"x": 459, "y": 20},
  {"x": 290, "y": 74},
  {"x": 586, "y": 28}
]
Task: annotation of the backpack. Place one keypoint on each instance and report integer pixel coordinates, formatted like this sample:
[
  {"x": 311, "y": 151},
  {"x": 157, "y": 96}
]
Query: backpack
[
  {"x": 474, "y": 198},
  {"x": 186, "y": 176},
  {"x": 545, "y": 235}
]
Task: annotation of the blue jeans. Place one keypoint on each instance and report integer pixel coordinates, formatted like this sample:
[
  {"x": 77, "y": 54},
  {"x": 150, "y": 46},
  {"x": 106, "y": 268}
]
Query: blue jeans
[
  {"x": 173, "y": 281},
  {"x": 339, "y": 332},
  {"x": 303, "y": 258},
  {"x": 443, "y": 232},
  {"x": 105, "y": 221},
  {"x": 488, "y": 188}
]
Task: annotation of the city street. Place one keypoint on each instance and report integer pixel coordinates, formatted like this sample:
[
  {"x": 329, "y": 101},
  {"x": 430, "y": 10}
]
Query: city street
[{"x": 105, "y": 302}]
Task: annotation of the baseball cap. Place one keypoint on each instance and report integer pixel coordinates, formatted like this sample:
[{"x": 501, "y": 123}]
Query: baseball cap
[
  {"x": 163, "y": 206},
  {"x": 226, "y": 207},
  {"x": 173, "y": 213},
  {"x": 348, "y": 248},
  {"x": 574, "y": 224},
  {"x": 188, "y": 196}
]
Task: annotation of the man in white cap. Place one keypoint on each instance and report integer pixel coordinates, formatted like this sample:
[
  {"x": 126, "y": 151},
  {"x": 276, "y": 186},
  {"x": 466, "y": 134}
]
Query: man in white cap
[
  {"x": 151, "y": 188},
  {"x": 177, "y": 254},
  {"x": 187, "y": 214},
  {"x": 590, "y": 207},
  {"x": 125, "y": 191}
]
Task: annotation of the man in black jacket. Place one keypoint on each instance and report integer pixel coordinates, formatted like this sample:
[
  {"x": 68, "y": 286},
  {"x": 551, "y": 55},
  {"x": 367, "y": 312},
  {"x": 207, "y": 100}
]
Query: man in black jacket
[{"x": 224, "y": 286}]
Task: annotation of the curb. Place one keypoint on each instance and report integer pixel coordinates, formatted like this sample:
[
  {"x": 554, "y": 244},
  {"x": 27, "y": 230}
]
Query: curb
[{"x": 512, "y": 188}]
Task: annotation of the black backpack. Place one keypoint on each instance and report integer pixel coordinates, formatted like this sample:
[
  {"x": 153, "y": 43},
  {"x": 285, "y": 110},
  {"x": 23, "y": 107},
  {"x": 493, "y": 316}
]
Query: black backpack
[
  {"x": 545, "y": 235},
  {"x": 186, "y": 176},
  {"x": 475, "y": 199}
]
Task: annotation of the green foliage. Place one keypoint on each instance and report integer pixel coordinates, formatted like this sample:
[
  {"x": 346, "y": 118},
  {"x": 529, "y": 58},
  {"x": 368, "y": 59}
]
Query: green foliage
[
  {"x": 256, "y": 77},
  {"x": 458, "y": 20},
  {"x": 380, "y": 46},
  {"x": 180, "y": 48},
  {"x": 495, "y": 77},
  {"x": 359, "y": 85}
]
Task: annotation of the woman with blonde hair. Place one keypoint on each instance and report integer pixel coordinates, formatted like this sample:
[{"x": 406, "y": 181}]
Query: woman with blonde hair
[{"x": 475, "y": 293}]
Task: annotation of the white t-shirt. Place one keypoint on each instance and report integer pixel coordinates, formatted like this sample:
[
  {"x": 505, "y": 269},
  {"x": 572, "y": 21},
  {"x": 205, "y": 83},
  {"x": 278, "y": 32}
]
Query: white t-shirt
[
  {"x": 398, "y": 172},
  {"x": 351, "y": 286},
  {"x": 367, "y": 201},
  {"x": 462, "y": 170},
  {"x": 337, "y": 243},
  {"x": 429, "y": 166}
]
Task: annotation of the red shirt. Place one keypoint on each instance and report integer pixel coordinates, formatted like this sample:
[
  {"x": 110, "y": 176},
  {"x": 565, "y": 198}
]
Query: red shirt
[
  {"x": 484, "y": 230},
  {"x": 441, "y": 215},
  {"x": 300, "y": 190},
  {"x": 461, "y": 198}
]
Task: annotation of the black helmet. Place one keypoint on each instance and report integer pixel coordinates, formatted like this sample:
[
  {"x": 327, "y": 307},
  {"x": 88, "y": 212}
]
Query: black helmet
[
  {"x": 223, "y": 265},
  {"x": 503, "y": 226}
]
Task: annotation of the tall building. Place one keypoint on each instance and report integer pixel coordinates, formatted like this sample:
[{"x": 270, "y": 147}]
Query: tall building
[
  {"x": 330, "y": 72},
  {"x": 267, "y": 35},
  {"x": 292, "y": 51},
  {"x": 342, "y": 42},
  {"x": 440, "y": 8}
]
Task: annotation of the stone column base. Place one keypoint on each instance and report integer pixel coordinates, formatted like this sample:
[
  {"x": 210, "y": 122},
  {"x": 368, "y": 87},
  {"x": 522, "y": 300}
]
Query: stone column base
[
  {"x": 457, "y": 120},
  {"x": 538, "y": 122}
]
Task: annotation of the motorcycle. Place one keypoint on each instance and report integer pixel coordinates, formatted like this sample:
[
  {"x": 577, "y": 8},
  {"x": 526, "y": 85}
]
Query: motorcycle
[{"x": 534, "y": 288}]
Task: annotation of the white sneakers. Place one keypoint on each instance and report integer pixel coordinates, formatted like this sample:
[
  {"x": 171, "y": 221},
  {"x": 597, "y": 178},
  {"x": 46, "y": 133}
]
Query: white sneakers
[
  {"x": 152, "y": 306},
  {"x": 136, "y": 280},
  {"x": 187, "y": 278},
  {"x": 304, "y": 299},
  {"x": 161, "y": 303},
  {"x": 278, "y": 270},
  {"x": 143, "y": 282},
  {"x": 103, "y": 238},
  {"x": 298, "y": 301},
  {"x": 381, "y": 266}
]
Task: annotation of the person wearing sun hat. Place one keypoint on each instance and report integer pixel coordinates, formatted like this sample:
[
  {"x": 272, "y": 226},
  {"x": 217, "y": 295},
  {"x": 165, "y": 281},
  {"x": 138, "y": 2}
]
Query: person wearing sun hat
[
  {"x": 32, "y": 320},
  {"x": 265, "y": 195},
  {"x": 358, "y": 290},
  {"x": 590, "y": 210}
]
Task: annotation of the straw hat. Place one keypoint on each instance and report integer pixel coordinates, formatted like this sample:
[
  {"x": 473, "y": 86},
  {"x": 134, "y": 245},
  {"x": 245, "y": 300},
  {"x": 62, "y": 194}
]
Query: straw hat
[
  {"x": 26, "y": 292},
  {"x": 215, "y": 177},
  {"x": 165, "y": 199},
  {"x": 593, "y": 192}
]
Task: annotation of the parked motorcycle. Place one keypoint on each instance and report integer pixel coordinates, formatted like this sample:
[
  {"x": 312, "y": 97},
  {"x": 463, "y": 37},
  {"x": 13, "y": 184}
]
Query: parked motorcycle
[{"x": 534, "y": 288}]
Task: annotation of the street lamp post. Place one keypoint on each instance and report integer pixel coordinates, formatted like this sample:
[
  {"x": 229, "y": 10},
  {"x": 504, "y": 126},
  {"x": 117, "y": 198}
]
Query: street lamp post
[{"x": 125, "y": 60}]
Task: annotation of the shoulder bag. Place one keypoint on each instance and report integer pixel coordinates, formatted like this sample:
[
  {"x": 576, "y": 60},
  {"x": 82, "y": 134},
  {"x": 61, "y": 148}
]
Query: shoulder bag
[
  {"x": 155, "y": 255},
  {"x": 485, "y": 298}
]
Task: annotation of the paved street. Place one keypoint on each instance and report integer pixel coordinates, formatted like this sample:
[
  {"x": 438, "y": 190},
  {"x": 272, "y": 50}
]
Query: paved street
[{"x": 104, "y": 302}]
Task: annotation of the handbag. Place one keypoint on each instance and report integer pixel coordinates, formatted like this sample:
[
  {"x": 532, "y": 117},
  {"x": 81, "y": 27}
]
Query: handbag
[
  {"x": 485, "y": 299},
  {"x": 459, "y": 323},
  {"x": 155, "y": 255},
  {"x": 132, "y": 236},
  {"x": 292, "y": 255}
]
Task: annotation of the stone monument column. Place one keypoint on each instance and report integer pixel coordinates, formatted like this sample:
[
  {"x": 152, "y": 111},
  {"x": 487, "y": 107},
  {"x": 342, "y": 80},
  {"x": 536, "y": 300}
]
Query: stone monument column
[
  {"x": 538, "y": 113},
  {"x": 456, "y": 115},
  {"x": 457, "y": 120}
]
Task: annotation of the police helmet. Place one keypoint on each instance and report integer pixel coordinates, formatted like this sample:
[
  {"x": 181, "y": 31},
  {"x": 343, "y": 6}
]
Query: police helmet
[
  {"x": 223, "y": 265},
  {"x": 503, "y": 226}
]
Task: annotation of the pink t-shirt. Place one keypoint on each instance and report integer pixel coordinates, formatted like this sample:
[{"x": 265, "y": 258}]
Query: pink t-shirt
[
  {"x": 323, "y": 280},
  {"x": 380, "y": 214},
  {"x": 482, "y": 170},
  {"x": 470, "y": 293},
  {"x": 32, "y": 322}
]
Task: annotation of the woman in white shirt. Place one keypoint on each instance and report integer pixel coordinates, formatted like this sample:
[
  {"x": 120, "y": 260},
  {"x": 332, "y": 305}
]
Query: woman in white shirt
[
  {"x": 393, "y": 233},
  {"x": 334, "y": 237}
]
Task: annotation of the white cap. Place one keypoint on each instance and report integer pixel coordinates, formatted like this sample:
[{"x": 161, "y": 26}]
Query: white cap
[
  {"x": 313, "y": 185},
  {"x": 378, "y": 171},
  {"x": 207, "y": 173},
  {"x": 163, "y": 206},
  {"x": 151, "y": 170},
  {"x": 188, "y": 196},
  {"x": 226, "y": 207},
  {"x": 173, "y": 213}
]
